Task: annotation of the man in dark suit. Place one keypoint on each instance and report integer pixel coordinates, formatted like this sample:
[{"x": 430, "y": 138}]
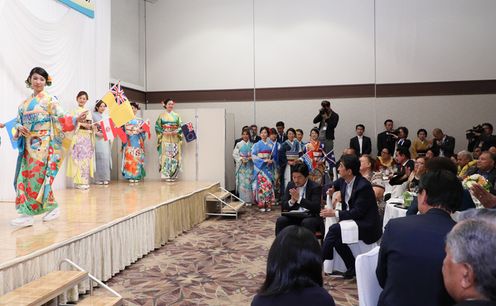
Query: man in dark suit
[
  {"x": 361, "y": 144},
  {"x": 443, "y": 144},
  {"x": 327, "y": 120},
  {"x": 359, "y": 205},
  {"x": 281, "y": 136},
  {"x": 304, "y": 195},
  {"x": 412, "y": 248},
  {"x": 405, "y": 166},
  {"x": 386, "y": 139}
]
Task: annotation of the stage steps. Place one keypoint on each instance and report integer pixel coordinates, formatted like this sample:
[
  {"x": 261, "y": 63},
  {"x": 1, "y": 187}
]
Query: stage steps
[
  {"x": 44, "y": 289},
  {"x": 223, "y": 203},
  {"x": 49, "y": 287}
]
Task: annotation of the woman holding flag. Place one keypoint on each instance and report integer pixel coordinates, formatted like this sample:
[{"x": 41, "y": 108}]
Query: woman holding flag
[
  {"x": 133, "y": 150},
  {"x": 41, "y": 126},
  {"x": 244, "y": 167},
  {"x": 81, "y": 161},
  {"x": 314, "y": 157},
  {"x": 102, "y": 147},
  {"x": 169, "y": 137},
  {"x": 263, "y": 155}
]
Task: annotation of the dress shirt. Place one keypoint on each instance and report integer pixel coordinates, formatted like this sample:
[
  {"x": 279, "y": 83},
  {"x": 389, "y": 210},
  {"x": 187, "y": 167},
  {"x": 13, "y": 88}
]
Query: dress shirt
[
  {"x": 441, "y": 152},
  {"x": 360, "y": 144},
  {"x": 347, "y": 195}
]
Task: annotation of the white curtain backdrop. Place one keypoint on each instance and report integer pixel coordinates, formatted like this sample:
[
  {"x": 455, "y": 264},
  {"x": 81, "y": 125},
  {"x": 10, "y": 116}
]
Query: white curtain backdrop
[{"x": 74, "y": 49}]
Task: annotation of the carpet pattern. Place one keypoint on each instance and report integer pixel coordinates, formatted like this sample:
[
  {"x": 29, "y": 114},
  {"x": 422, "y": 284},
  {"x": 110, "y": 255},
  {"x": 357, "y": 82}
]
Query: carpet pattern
[{"x": 219, "y": 262}]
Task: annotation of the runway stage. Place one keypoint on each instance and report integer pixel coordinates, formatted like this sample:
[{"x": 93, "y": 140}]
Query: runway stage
[{"x": 103, "y": 229}]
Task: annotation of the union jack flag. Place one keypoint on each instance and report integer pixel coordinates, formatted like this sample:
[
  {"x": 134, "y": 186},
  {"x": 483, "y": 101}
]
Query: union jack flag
[{"x": 118, "y": 93}]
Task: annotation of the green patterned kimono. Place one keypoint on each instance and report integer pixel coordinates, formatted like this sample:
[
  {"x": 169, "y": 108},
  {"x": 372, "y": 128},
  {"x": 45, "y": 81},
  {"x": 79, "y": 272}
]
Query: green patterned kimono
[
  {"x": 40, "y": 153},
  {"x": 169, "y": 135}
]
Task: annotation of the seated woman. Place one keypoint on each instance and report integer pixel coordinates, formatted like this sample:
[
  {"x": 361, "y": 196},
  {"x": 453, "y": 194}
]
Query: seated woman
[
  {"x": 420, "y": 144},
  {"x": 375, "y": 178},
  {"x": 385, "y": 162},
  {"x": 418, "y": 171},
  {"x": 294, "y": 271}
]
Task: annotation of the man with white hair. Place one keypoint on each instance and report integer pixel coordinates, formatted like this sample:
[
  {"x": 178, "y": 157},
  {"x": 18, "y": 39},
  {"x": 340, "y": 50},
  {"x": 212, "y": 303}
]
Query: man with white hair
[
  {"x": 469, "y": 266},
  {"x": 464, "y": 160}
]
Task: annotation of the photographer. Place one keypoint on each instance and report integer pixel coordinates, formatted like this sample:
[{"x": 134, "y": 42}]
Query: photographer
[
  {"x": 327, "y": 120},
  {"x": 487, "y": 139}
]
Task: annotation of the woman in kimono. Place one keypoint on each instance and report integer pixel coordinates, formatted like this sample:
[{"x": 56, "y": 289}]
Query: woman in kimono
[
  {"x": 244, "y": 167},
  {"x": 169, "y": 136},
  {"x": 103, "y": 158},
  {"x": 133, "y": 151},
  {"x": 81, "y": 159},
  {"x": 42, "y": 133},
  {"x": 315, "y": 151},
  {"x": 262, "y": 154},
  {"x": 288, "y": 157},
  {"x": 275, "y": 169}
]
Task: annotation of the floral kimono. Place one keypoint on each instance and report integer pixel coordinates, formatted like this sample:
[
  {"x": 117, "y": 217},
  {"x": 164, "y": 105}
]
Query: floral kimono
[
  {"x": 289, "y": 151},
  {"x": 133, "y": 159},
  {"x": 169, "y": 136},
  {"x": 103, "y": 160},
  {"x": 244, "y": 170},
  {"x": 315, "y": 150},
  {"x": 263, "y": 173},
  {"x": 81, "y": 160},
  {"x": 40, "y": 153}
]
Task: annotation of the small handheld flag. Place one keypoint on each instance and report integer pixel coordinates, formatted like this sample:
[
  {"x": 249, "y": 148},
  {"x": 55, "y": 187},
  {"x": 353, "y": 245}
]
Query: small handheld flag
[
  {"x": 188, "y": 132},
  {"x": 11, "y": 130}
]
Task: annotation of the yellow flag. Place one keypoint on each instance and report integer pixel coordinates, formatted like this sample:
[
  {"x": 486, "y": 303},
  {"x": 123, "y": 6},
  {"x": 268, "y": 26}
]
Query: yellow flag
[
  {"x": 109, "y": 100},
  {"x": 121, "y": 114}
]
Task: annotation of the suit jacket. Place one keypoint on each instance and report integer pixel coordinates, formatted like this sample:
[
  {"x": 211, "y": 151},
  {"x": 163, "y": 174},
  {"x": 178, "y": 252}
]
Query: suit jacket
[
  {"x": 405, "y": 143},
  {"x": 362, "y": 208},
  {"x": 401, "y": 177},
  {"x": 310, "y": 201},
  {"x": 410, "y": 260},
  {"x": 447, "y": 146},
  {"x": 385, "y": 140},
  {"x": 366, "y": 145},
  {"x": 281, "y": 139},
  {"x": 332, "y": 122}
]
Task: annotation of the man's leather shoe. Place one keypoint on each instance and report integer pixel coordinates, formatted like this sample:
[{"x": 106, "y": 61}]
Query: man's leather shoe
[{"x": 349, "y": 274}]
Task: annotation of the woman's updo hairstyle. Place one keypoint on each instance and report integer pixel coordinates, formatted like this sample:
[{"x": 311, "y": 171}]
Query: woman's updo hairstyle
[
  {"x": 40, "y": 71},
  {"x": 164, "y": 103}
]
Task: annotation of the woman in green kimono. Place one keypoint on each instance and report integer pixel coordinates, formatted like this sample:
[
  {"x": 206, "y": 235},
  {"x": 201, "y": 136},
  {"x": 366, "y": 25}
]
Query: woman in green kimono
[
  {"x": 42, "y": 132},
  {"x": 169, "y": 135}
]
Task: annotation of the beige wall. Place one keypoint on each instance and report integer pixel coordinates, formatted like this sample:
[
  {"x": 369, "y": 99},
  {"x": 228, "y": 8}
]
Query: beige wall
[{"x": 454, "y": 114}]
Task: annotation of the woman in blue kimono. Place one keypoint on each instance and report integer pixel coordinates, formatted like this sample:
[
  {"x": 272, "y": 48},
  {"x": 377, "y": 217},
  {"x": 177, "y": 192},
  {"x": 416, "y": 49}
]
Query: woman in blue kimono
[
  {"x": 244, "y": 167},
  {"x": 262, "y": 155},
  {"x": 133, "y": 151},
  {"x": 102, "y": 148},
  {"x": 288, "y": 157}
]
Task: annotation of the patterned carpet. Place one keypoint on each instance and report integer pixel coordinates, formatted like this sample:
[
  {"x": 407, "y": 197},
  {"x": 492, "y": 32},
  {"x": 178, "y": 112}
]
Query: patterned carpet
[{"x": 219, "y": 262}]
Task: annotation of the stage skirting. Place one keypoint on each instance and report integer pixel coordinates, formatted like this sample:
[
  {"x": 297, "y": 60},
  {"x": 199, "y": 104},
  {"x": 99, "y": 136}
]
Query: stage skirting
[{"x": 111, "y": 247}]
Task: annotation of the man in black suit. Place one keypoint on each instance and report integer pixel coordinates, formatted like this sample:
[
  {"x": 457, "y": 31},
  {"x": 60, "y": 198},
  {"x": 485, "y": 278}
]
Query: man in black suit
[
  {"x": 386, "y": 139},
  {"x": 468, "y": 268},
  {"x": 327, "y": 120},
  {"x": 359, "y": 205},
  {"x": 405, "y": 166},
  {"x": 412, "y": 248},
  {"x": 443, "y": 144},
  {"x": 281, "y": 136},
  {"x": 361, "y": 144},
  {"x": 254, "y": 138},
  {"x": 304, "y": 195}
]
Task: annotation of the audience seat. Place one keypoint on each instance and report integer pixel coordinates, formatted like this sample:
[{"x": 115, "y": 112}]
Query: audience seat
[{"x": 368, "y": 286}]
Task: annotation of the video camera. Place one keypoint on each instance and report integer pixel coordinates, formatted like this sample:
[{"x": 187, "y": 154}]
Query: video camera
[{"x": 475, "y": 132}]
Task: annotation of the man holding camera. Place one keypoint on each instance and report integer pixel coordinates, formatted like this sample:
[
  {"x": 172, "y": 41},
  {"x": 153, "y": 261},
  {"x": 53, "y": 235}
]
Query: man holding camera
[{"x": 327, "y": 120}]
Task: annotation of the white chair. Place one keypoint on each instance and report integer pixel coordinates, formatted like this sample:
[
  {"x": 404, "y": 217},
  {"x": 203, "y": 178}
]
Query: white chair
[{"x": 367, "y": 283}]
